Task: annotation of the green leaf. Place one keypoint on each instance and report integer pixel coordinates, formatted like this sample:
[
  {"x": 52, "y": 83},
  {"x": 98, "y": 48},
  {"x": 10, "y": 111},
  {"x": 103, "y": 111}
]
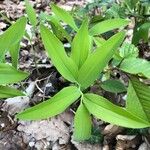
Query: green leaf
[
  {"x": 116, "y": 11},
  {"x": 9, "y": 74},
  {"x": 138, "y": 99},
  {"x": 99, "y": 41},
  {"x": 53, "y": 106},
  {"x": 96, "y": 62},
  {"x": 107, "y": 111},
  {"x": 114, "y": 86},
  {"x": 142, "y": 33},
  {"x": 65, "y": 65},
  {"x": 14, "y": 52},
  {"x": 128, "y": 50},
  {"x": 136, "y": 66},
  {"x": 82, "y": 124},
  {"x": 81, "y": 45},
  {"x": 12, "y": 36},
  {"x": 131, "y": 4},
  {"x": 107, "y": 25},
  {"x": 64, "y": 16},
  {"x": 7, "y": 92},
  {"x": 58, "y": 29},
  {"x": 31, "y": 13}
]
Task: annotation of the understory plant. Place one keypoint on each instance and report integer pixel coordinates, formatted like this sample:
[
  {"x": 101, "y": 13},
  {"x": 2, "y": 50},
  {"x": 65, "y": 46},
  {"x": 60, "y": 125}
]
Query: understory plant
[
  {"x": 82, "y": 66},
  {"x": 137, "y": 10},
  {"x": 9, "y": 73},
  {"x": 90, "y": 54}
]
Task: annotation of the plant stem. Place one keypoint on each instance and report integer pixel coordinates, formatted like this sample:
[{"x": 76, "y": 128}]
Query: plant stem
[{"x": 5, "y": 18}]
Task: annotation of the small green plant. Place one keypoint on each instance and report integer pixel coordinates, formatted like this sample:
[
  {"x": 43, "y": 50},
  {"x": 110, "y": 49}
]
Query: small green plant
[
  {"x": 126, "y": 59},
  {"x": 139, "y": 10},
  {"x": 82, "y": 67},
  {"x": 10, "y": 42},
  {"x": 9, "y": 75}
]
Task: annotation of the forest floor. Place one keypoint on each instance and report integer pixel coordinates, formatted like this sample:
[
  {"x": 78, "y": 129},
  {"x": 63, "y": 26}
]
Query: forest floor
[{"x": 44, "y": 81}]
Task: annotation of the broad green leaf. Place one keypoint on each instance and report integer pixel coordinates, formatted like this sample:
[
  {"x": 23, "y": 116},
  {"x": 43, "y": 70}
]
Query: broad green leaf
[
  {"x": 114, "y": 86},
  {"x": 107, "y": 111},
  {"x": 65, "y": 65},
  {"x": 136, "y": 66},
  {"x": 9, "y": 74},
  {"x": 128, "y": 50},
  {"x": 107, "y": 25},
  {"x": 138, "y": 99},
  {"x": 81, "y": 45},
  {"x": 64, "y": 16},
  {"x": 141, "y": 33},
  {"x": 82, "y": 124},
  {"x": 7, "y": 92},
  {"x": 54, "y": 106},
  {"x": 14, "y": 52},
  {"x": 96, "y": 62},
  {"x": 12, "y": 36},
  {"x": 31, "y": 13}
]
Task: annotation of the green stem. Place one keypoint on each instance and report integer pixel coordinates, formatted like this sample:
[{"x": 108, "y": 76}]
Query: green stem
[
  {"x": 33, "y": 50},
  {"x": 5, "y": 18}
]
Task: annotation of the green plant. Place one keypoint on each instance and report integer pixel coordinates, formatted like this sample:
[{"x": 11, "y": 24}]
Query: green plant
[
  {"x": 11, "y": 38},
  {"x": 82, "y": 67},
  {"x": 114, "y": 86},
  {"x": 64, "y": 32},
  {"x": 138, "y": 10},
  {"x": 31, "y": 13},
  {"x": 10, "y": 41},
  {"x": 127, "y": 60},
  {"x": 9, "y": 75}
]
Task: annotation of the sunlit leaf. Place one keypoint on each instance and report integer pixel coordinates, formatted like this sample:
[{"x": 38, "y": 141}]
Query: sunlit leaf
[
  {"x": 7, "y": 92},
  {"x": 136, "y": 66},
  {"x": 138, "y": 99},
  {"x": 81, "y": 45},
  {"x": 57, "y": 104},
  {"x": 107, "y": 111},
  {"x": 12, "y": 36},
  {"x": 9, "y": 74},
  {"x": 82, "y": 124},
  {"x": 96, "y": 62},
  {"x": 107, "y": 25},
  {"x": 31, "y": 13},
  {"x": 65, "y": 65}
]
